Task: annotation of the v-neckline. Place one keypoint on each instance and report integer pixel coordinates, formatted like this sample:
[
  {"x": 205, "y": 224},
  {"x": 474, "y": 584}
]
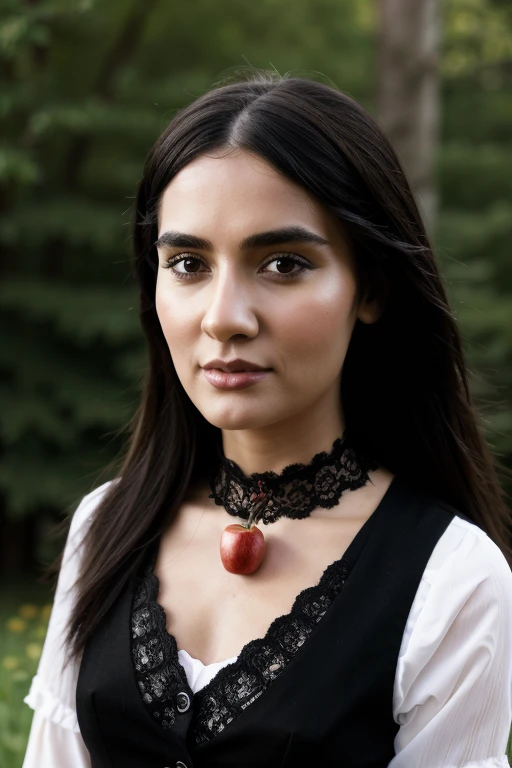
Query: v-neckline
[
  {"x": 330, "y": 572},
  {"x": 333, "y": 577},
  {"x": 347, "y": 556}
]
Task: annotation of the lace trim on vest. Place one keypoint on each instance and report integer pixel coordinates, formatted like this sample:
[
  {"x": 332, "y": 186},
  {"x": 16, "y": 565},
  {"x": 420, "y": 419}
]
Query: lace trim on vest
[
  {"x": 160, "y": 675},
  {"x": 155, "y": 654}
]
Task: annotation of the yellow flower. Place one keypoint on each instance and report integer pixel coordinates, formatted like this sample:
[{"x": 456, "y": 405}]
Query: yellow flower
[
  {"x": 20, "y": 675},
  {"x": 16, "y": 625},
  {"x": 33, "y": 651},
  {"x": 10, "y": 662},
  {"x": 28, "y": 611},
  {"x": 40, "y": 631},
  {"x": 46, "y": 611}
]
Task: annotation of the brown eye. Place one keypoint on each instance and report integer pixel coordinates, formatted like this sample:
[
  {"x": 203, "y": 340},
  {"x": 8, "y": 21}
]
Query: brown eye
[
  {"x": 287, "y": 262},
  {"x": 188, "y": 261},
  {"x": 288, "y": 266}
]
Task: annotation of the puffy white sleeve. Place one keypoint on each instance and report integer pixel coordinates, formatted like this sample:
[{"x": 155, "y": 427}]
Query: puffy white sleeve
[
  {"x": 55, "y": 740},
  {"x": 453, "y": 685}
]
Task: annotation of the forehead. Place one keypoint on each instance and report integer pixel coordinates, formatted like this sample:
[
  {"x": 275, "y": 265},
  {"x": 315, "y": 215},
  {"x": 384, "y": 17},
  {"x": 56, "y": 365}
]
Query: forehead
[{"x": 237, "y": 190}]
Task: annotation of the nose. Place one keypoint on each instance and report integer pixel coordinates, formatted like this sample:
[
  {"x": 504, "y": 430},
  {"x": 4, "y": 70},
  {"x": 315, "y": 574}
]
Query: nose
[{"x": 229, "y": 307}]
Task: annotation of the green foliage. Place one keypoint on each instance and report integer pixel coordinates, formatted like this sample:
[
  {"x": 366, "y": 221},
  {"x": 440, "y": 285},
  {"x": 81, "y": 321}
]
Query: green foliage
[
  {"x": 475, "y": 178},
  {"x": 23, "y": 627}
]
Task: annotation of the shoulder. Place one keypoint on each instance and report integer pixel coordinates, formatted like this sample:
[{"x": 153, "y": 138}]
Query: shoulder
[
  {"x": 465, "y": 549},
  {"x": 80, "y": 521},
  {"x": 467, "y": 578},
  {"x": 462, "y": 546},
  {"x": 88, "y": 505}
]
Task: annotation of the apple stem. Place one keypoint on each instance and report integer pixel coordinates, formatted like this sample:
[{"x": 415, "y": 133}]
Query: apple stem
[{"x": 258, "y": 506}]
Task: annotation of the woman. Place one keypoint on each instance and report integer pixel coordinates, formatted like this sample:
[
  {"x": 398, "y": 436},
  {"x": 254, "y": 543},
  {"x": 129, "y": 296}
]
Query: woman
[{"x": 367, "y": 619}]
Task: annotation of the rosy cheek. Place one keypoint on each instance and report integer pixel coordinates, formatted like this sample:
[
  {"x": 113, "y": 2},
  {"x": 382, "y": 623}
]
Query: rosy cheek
[
  {"x": 314, "y": 319},
  {"x": 167, "y": 307},
  {"x": 179, "y": 327},
  {"x": 170, "y": 327}
]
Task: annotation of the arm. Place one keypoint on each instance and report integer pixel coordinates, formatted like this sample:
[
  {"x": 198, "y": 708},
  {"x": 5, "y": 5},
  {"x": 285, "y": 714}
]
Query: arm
[
  {"x": 54, "y": 746},
  {"x": 453, "y": 687},
  {"x": 55, "y": 740}
]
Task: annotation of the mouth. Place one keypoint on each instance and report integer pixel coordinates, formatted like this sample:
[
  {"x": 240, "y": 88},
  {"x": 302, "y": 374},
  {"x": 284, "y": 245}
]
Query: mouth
[
  {"x": 237, "y": 365},
  {"x": 234, "y": 379}
]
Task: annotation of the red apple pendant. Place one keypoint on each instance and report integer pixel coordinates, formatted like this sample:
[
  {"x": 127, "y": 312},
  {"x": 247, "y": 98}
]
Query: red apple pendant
[{"x": 242, "y": 549}]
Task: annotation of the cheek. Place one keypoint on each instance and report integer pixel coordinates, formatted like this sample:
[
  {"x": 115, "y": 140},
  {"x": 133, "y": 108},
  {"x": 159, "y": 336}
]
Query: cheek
[
  {"x": 177, "y": 324},
  {"x": 316, "y": 328}
]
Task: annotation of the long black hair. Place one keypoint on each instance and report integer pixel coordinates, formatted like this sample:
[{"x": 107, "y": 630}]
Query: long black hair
[{"x": 404, "y": 386}]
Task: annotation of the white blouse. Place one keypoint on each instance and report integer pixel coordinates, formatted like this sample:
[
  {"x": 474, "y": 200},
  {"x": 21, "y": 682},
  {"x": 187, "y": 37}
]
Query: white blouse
[{"x": 453, "y": 685}]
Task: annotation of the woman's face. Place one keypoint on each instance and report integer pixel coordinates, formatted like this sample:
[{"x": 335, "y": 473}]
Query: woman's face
[{"x": 282, "y": 302}]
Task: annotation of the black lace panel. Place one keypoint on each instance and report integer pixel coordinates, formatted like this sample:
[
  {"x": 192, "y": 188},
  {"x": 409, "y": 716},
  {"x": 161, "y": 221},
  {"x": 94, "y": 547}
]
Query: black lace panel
[
  {"x": 158, "y": 671},
  {"x": 160, "y": 675}
]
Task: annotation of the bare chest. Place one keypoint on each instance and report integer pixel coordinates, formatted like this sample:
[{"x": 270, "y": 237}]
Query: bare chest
[{"x": 213, "y": 613}]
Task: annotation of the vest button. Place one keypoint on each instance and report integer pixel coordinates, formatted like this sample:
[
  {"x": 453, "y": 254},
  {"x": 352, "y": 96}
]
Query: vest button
[{"x": 183, "y": 700}]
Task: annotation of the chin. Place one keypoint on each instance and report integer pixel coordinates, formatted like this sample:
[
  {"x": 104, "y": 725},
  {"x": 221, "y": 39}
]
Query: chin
[{"x": 246, "y": 416}]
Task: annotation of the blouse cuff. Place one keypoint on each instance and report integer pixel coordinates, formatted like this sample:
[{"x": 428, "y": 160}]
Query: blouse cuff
[{"x": 54, "y": 710}]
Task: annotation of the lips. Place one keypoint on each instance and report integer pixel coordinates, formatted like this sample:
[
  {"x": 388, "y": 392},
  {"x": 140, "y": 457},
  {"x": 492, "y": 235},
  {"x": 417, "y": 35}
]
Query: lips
[
  {"x": 234, "y": 366},
  {"x": 235, "y": 379}
]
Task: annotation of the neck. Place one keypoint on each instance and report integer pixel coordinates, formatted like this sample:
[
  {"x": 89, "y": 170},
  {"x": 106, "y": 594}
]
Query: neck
[{"x": 275, "y": 446}]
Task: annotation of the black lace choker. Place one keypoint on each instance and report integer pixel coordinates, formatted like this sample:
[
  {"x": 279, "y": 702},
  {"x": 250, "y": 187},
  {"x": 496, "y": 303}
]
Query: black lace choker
[{"x": 296, "y": 491}]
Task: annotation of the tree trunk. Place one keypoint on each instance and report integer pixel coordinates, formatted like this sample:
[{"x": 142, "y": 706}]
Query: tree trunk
[{"x": 408, "y": 92}]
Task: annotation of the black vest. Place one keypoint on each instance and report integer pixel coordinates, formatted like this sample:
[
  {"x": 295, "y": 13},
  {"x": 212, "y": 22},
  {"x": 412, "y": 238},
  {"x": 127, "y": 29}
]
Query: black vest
[{"x": 330, "y": 706}]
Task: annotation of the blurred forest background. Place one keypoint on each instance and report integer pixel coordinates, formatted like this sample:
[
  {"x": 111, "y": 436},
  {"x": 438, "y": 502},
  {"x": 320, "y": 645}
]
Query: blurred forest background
[{"x": 86, "y": 88}]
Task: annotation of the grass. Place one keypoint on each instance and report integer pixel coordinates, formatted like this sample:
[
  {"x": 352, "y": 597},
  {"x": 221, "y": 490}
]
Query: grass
[{"x": 24, "y": 612}]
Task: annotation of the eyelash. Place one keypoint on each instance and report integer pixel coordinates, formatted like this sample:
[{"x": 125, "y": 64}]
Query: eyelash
[{"x": 304, "y": 265}]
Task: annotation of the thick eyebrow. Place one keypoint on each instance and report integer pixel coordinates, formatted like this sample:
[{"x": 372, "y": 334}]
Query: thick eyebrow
[{"x": 295, "y": 234}]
